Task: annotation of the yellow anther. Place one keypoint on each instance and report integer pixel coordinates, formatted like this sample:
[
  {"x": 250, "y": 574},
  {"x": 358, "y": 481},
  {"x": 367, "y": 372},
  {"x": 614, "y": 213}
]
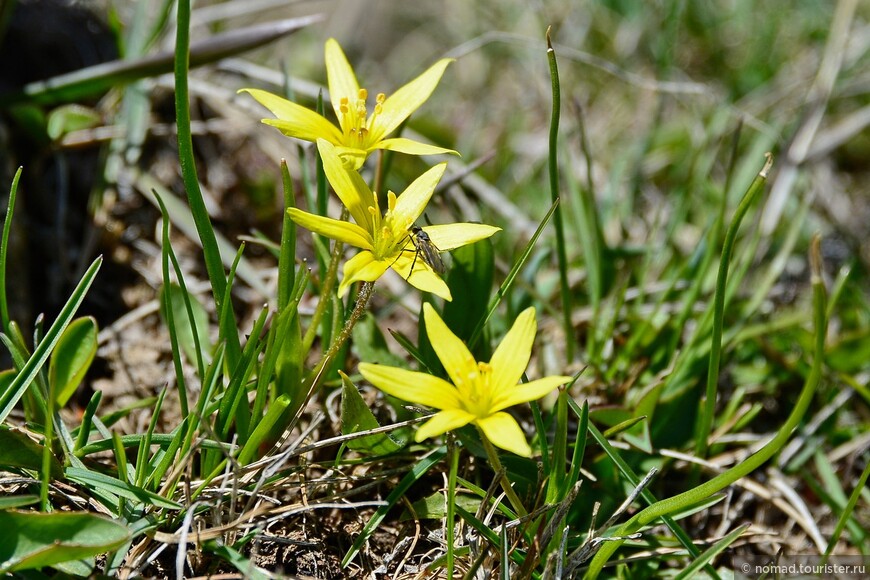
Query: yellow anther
[
  {"x": 391, "y": 201},
  {"x": 484, "y": 367},
  {"x": 363, "y": 95},
  {"x": 343, "y": 105},
  {"x": 381, "y": 98}
]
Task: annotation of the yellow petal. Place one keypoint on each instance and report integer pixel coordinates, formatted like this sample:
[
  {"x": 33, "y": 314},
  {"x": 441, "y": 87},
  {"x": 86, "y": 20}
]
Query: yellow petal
[
  {"x": 404, "y": 145},
  {"x": 503, "y": 431},
  {"x": 525, "y": 392},
  {"x": 451, "y": 236},
  {"x": 340, "y": 76},
  {"x": 510, "y": 359},
  {"x": 406, "y": 100},
  {"x": 335, "y": 229},
  {"x": 454, "y": 355},
  {"x": 348, "y": 185},
  {"x": 295, "y": 120},
  {"x": 443, "y": 422},
  {"x": 411, "y": 203},
  {"x": 361, "y": 268},
  {"x": 422, "y": 278},
  {"x": 411, "y": 386}
]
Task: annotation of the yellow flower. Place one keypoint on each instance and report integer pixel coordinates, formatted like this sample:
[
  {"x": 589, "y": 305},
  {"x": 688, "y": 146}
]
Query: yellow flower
[
  {"x": 358, "y": 133},
  {"x": 386, "y": 240},
  {"x": 480, "y": 391}
]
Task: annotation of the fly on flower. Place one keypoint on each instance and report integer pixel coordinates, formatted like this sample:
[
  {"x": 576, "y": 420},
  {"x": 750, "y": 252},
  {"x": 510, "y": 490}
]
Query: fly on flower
[
  {"x": 426, "y": 250},
  {"x": 384, "y": 236}
]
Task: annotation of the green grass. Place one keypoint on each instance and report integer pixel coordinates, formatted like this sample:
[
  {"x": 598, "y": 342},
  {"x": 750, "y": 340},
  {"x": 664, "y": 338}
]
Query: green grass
[{"x": 711, "y": 349}]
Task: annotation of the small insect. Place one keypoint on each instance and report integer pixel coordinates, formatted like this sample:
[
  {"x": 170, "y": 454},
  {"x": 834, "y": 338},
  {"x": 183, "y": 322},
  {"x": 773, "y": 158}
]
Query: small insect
[{"x": 425, "y": 250}]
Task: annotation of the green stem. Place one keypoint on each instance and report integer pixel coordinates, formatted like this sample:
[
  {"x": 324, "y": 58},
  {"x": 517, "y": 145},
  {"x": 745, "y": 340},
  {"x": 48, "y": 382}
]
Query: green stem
[
  {"x": 706, "y": 419},
  {"x": 325, "y": 291},
  {"x": 565, "y": 290},
  {"x": 723, "y": 480},
  {"x": 492, "y": 455},
  {"x": 359, "y": 309},
  {"x": 453, "y": 450}
]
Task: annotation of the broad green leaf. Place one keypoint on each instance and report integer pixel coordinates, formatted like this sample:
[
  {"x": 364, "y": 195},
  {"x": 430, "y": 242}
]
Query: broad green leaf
[
  {"x": 16, "y": 389},
  {"x": 34, "y": 540},
  {"x": 72, "y": 357},
  {"x": 470, "y": 281},
  {"x": 851, "y": 353},
  {"x": 356, "y": 417},
  {"x": 433, "y": 507},
  {"x": 19, "y": 450},
  {"x": 183, "y": 328},
  {"x": 370, "y": 344},
  {"x": 72, "y": 117}
]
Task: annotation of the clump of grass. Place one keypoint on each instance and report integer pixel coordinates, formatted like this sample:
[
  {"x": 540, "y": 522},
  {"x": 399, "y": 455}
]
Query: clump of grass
[{"x": 686, "y": 372}]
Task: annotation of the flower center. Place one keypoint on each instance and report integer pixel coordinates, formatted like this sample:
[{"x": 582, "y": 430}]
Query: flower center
[
  {"x": 354, "y": 117},
  {"x": 479, "y": 395}
]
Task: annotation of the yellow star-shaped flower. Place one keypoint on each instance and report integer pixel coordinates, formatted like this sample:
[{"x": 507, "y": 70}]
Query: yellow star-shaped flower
[
  {"x": 386, "y": 240},
  {"x": 480, "y": 391},
  {"x": 358, "y": 133}
]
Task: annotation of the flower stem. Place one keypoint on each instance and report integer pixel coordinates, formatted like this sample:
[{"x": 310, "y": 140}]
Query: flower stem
[
  {"x": 500, "y": 472},
  {"x": 325, "y": 291},
  {"x": 359, "y": 309}
]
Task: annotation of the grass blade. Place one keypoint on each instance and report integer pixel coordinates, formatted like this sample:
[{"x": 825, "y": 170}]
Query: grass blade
[
  {"x": 553, "y": 166},
  {"x": 509, "y": 279},
  {"x": 4, "y": 248},
  {"x": 34, "y": 364},
  {"x": 419, "y": 469},
  {"x": 705, "y": 421}
]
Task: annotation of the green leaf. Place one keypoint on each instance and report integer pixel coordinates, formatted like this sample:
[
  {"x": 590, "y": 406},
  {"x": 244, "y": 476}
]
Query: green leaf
[
  {"x": 694, "y": 569},
  {"x": 239, "y": 562},
  {"x": 851, "y": 353},
  {"x": 17, "y": 501},
  {"x": 433, "y": 507},
  {"x": 356, "y": 417},
  {"x": 34, "y": 540},
  {"x": 260, "y": 434},
  {"x": 72, "y": 357},
  {"x": 418, "y": 470},
  {"x": 370, "y": 344},
  {"x": 179, "y": 300},
  {"x": 470, "y": 281},
  {"x": 68, "y": 118},
  {"x": 19, "y": 450},
  {"x": 623, "y": 426},
  {"x": 108, "y": 484},
  {"x": 16, "y": 389}
]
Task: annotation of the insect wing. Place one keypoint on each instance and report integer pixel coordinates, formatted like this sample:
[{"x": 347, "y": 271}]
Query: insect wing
[{"x": 427, "y": 250}]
